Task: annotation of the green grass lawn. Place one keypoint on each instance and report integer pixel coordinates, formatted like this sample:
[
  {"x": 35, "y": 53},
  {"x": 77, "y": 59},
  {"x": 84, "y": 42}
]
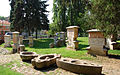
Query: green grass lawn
[
  {"x": 41, "y": 46},
  {"x": 7, "y": 71}
]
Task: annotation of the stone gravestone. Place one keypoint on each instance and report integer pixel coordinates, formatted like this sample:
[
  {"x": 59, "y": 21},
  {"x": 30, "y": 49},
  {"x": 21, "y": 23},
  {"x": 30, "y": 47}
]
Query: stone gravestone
[
  {"x": 72, "y": 34},
  {"x": 21, "y": 40},
  {"x": 97, "y": 43},
  {"x": 15, "y": 41},
  {"x": 30, "y": 41},
  {"x": 7, "y": 40}
]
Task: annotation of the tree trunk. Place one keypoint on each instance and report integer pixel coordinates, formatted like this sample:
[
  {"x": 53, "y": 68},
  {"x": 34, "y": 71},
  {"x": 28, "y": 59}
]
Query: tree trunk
[
  {"x": 36, "y": 33},
  {"x": 29, "y": 30}
]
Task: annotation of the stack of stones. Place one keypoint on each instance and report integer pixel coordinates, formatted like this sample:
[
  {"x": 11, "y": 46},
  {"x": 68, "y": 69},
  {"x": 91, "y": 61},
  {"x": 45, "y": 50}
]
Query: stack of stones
[
  {"x": 97, "y": 43},
  {"x": 30, "y": 41},
  {"x": 15, "y": 41},
  {"x": 72, "y": 34},
  {"x": 7, "y": 40}
]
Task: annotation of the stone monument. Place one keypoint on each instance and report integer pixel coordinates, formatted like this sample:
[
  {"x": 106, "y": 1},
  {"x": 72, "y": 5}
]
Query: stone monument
[
  {"x": 30, "y": 41},
  {"x": 97, "y": 43},
  {"x": 21, "y": 48},
  {"x": 7, "y": 40},
  {"x": 72, "y": 34},
  {"x": 15, "y": 41},
  {"x": 111, "y": 43},
  {"x": 21, "y": 40}
]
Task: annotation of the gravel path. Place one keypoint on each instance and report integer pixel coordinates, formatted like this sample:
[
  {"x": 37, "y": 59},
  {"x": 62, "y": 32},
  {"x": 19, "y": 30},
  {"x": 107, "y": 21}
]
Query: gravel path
[{"x": 111, "y": 66}]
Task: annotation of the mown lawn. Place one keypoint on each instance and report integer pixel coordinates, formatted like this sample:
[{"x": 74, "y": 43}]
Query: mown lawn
[
  {"x": 41, "y": 46},
  {"x": 7, "y": 71}
]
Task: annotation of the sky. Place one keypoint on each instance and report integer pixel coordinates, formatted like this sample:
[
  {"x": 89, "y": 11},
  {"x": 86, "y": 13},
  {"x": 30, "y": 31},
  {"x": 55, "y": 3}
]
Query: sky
[{"x": 5, "y": 9}]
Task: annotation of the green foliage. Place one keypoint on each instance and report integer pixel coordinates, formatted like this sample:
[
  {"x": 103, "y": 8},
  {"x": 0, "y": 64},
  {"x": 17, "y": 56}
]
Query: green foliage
[
  {"x": 104, "y": 15},
  {"x": 4, "y": 18},
  {"x": 67, "y": 13},
  {"x": 29, "y": 15}
]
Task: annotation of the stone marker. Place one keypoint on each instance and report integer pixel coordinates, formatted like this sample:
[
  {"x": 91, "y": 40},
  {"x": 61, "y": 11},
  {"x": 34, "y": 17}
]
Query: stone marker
[
  {"x": 15, "y": 41},
  {"x": 21, "y": 48},
  {"x": 7, "y": 40},
  {"x": 30, "y": 41},
  {"x": 21, "y": 40},
  {"x": 72, "y": 34},
  {"x": 97, "y": 43}
]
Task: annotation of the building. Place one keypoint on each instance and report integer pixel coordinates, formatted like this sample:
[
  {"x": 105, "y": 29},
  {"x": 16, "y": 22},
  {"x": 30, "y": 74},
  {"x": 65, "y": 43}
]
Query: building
[{"x": 4, "y": 27}]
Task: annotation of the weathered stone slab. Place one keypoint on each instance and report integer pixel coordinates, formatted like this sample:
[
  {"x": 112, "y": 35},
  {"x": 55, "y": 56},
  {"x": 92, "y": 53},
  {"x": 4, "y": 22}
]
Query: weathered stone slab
[
  {"x": 45, "y": 60},
  {"x": 79, "y": 66},
  {"x": 27, "y": 56},
  {"x": 97, "y": 41}
]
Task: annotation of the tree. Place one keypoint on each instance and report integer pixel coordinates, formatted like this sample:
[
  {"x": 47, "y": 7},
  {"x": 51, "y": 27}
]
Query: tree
[
  {"x": 29, "y": 15},
  {"x": 67, "y": 13},
  {"x": 104, "y": 15}
]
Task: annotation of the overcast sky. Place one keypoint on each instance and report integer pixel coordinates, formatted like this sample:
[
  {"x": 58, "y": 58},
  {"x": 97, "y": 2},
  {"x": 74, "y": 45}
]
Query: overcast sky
[{"x": 5, "y": 8}]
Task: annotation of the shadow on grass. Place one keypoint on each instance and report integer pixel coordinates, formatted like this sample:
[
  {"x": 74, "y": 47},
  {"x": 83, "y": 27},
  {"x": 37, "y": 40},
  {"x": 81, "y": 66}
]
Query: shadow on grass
[
  {"x": 46, "y": 69},
  {"x": 114, "y": 56},
  {"x": 40, "y": 43},
  {"x": 82, "y": 46}
]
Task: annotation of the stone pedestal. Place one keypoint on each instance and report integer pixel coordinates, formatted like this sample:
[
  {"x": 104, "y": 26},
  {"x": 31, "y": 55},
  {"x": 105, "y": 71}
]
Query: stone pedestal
[
  {"x": 21, "y": 48},
  {"x": 97, "y": 43},
  {"x": 72, "y": 34},
  {"x": 21, "y": 40},
  {"x": 30, "y": 41},
  {"x": 15, "y": 41},
  {"x": 7, "y": 40}
]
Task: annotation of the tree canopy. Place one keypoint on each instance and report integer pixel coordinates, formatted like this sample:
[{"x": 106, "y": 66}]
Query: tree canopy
[
  {"x": 67, "y": 13},
  {"x": 29, "y": 15},
  {"x": 105, "y": 15}
]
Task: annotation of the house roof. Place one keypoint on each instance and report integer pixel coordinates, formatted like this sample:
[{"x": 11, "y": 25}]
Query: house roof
[{"x": 4, "y": 22}]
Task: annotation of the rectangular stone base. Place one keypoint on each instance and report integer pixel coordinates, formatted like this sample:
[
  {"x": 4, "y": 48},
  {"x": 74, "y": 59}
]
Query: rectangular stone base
[
  {"x": 98, "y": 52},
  {"x": 69, "y": 48}
]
